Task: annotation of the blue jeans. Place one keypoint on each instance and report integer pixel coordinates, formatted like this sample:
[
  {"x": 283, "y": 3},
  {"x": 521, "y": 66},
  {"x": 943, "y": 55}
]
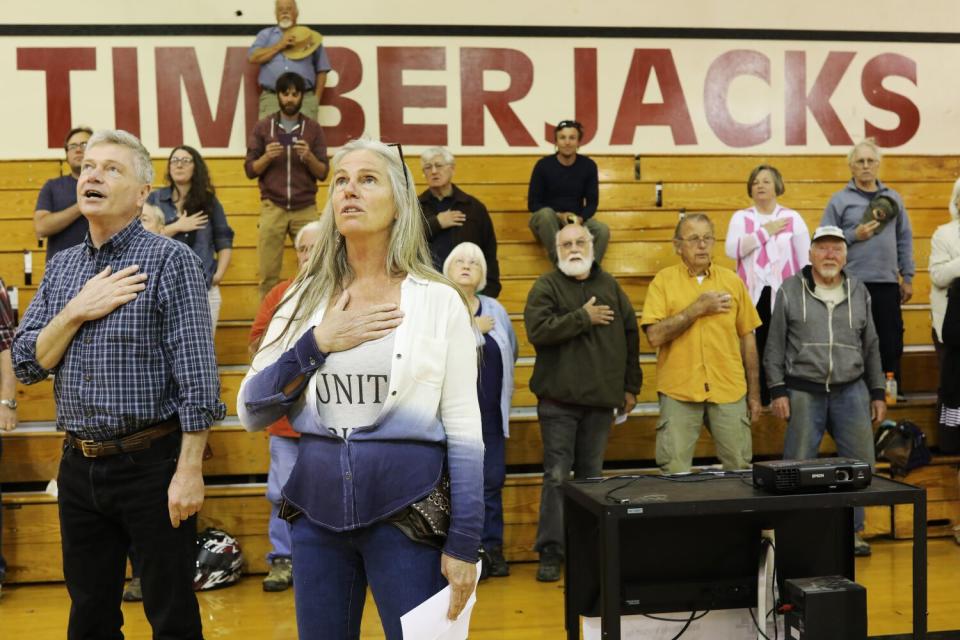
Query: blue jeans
[
  {"x": 283, "y": 455},
  {"x": 494, "y": 474},
  {"x": 334, "y": 568},
  {"x": 844, "y": 414}
]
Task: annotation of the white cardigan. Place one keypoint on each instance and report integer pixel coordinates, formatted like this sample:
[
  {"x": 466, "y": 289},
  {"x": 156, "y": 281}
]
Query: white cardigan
[{"x": 944, "y": 268}]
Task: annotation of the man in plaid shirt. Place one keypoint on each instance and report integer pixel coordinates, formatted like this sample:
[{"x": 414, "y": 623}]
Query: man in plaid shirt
[
  {"x": 122, "y": 321},
  {"x": 8, "y": 385}
]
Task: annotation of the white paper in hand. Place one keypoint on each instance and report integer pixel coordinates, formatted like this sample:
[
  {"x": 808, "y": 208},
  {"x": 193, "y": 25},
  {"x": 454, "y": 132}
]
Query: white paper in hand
[{"x": 428, "y": 621}]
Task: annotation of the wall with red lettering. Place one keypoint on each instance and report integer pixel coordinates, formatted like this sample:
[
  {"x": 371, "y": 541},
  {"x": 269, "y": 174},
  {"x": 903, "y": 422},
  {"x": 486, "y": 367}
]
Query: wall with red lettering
[{"x": 499, "y": 95}]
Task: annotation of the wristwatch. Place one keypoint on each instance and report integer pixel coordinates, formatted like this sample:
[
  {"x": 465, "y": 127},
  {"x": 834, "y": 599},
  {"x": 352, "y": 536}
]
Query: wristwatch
[{"x": 10, "y": 404}]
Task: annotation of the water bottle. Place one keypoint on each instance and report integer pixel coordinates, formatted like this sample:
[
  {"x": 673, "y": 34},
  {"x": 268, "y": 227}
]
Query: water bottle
[{"x": 890, "y": 389}]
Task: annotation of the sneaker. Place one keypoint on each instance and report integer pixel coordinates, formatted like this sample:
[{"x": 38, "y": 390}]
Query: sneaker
[
  {"x": 498, "y": 564},
  {"x": 133, "y": 592},
  {"x": 550, "y": 561},
  {"x": 484, "y": 565},
  {"x": 860, "y": 546},
  {"x": 281, "y": 575}
]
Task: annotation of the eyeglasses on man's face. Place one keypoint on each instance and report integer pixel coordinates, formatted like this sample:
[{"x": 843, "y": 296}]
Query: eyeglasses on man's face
[
  {"x": 866, "y": 162},
  {"x": 76, "y": 146},
  {"x": 430, "y": 166},
  {"x": 695, "y": 241}
]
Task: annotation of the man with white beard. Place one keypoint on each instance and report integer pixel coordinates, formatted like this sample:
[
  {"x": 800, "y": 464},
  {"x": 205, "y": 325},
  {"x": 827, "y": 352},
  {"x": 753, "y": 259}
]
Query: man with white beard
[
  {"x": 587, "y": 370},
  {"x": 823, "y": 360},
  {"x": 701, "y": 319}
]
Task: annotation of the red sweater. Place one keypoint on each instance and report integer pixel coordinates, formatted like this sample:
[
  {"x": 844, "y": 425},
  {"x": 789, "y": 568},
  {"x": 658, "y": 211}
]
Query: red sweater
[{"x": 264, "y": 315}]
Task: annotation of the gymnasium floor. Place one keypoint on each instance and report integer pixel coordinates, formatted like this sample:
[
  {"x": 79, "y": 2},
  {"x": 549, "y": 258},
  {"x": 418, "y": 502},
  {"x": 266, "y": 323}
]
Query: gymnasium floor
[{"x": 513, "y": 608}]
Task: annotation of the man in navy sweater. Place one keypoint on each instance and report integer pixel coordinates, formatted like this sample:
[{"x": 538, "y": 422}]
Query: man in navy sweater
[{"x": 564, "y": 190}]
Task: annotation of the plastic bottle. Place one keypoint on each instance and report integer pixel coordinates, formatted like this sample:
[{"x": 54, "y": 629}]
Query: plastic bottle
[{"x": 890, "y": 389}]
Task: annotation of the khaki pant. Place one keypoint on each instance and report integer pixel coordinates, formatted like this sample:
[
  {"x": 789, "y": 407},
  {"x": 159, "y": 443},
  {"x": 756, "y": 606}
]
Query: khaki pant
[
  {"x": 276, "y": 224},
  {"x": 270, "y": 105},
  {"x": 545, "y": 226},
  {"x": 679, "y": 428}
]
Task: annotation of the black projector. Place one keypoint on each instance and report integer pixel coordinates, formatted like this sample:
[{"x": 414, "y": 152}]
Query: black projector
[{"x": 819, "y": 474}]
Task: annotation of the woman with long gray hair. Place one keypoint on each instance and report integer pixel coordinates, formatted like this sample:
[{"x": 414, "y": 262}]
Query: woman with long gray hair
[{"x": 372, "y": 356}]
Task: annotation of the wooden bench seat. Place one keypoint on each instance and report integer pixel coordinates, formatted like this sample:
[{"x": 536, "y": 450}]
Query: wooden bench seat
[
  {"x": 31, "y": 530},
  {"x": 32, "y": 453},
  {"x": 37, "y": 404}
]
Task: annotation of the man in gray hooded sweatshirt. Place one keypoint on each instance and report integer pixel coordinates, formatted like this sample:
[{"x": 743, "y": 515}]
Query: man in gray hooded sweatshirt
[{"x": 822, "y": 360}]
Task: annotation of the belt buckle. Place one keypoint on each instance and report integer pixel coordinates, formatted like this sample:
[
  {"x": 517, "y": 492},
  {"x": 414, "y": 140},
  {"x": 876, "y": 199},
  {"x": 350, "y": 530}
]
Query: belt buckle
[{"x": 90, "y": 448}]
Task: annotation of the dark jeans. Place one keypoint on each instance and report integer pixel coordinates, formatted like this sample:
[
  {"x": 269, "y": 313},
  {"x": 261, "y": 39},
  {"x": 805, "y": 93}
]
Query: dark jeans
[
  {"x": 494, "y": 474},
  {"x": 760, "y": 333},
  {"x": 105, "y": 505},
  {"x": 574, "y": 437},
  {"x": 885, "y": 304},
  {"x": 334, "y": 568}
]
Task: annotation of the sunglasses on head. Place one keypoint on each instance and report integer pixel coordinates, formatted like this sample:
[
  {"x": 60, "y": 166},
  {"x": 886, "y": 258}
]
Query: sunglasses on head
[{"x": 406, "y": 180}]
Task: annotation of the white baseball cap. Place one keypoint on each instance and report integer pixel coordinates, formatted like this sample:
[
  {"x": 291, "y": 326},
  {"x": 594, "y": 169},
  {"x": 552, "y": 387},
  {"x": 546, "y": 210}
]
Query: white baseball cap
[{"x": 829, "y": 231}]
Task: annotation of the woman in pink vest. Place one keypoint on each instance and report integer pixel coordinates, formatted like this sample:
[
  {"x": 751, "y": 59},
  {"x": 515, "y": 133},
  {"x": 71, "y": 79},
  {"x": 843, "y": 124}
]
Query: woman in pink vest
[{"x": 770, "y": 243}]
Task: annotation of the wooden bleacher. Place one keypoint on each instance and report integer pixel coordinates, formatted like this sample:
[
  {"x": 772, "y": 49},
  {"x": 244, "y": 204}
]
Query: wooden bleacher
[{"x": 640, "y": 246}]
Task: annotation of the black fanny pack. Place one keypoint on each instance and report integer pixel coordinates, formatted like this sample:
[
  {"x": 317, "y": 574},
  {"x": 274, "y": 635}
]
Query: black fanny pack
[{"x": 427, "y": 520}]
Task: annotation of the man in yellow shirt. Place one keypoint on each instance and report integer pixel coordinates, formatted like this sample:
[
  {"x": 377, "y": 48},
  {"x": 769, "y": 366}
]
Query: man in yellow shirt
[{"x": 700, "y": 318}]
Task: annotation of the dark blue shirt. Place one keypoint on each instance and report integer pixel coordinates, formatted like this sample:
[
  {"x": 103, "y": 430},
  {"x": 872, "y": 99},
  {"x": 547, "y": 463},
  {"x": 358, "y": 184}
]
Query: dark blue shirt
[
  {"x": 143, "y": 363},
  {"x": 490, "y": 381},
  {"x": 575, "y": 188},
  {"x": 56, "y": 195},
  {"x": 205, "y": 242}
]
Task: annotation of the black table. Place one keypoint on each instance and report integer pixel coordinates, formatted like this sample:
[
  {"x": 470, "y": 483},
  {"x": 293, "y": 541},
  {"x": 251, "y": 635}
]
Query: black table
[{"x": 597, "y": 513}]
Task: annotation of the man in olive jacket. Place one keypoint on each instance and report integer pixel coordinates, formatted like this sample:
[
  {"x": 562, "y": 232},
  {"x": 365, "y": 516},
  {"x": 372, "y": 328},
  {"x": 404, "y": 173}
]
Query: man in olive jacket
[{"x": 585, "y": 333}]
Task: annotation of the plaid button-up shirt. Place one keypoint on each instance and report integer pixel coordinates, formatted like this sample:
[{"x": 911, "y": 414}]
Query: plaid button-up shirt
[{"x": 147, "y": 361}]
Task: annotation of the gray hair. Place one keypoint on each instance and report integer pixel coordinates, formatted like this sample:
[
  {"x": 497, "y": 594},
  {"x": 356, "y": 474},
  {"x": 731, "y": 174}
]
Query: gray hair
[
  {"x": 954, "y": 211},
  {"x": 328, "y": 273},
  {"x": 309, "y": 227},
  {"x": 589, "y": 235},
  {"x": 691, "y": 217},
  {"x": 468, "y": 250},
  {"x": 432, "y": 152},
  {"x": 119, "y": 137},
  {"x": 870, "y": 143}
]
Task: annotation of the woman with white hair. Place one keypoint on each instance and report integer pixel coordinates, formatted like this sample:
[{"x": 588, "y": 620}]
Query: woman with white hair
[
  {"x": 944, "y": 272},
  {"x": 366, "y": 355},
  {"x": 467, "y": 268}
]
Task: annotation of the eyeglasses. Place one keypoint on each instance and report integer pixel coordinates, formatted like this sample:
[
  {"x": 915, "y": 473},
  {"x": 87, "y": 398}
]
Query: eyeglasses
[
  {"x": 403, "y": 163},
  {"x": 866, "y": 162},
  {"x": 697, "y": 240},
  {"x": 427, "y": 168},
  {"x": 185, "y": 161},
  {"x": 570, "y": 244},
  {"x": 76, "y": 146},
  {"x": 466, "y": 262}
]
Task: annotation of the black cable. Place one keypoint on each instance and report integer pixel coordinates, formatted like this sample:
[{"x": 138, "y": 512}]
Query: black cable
[
  {"x": 662, "y": 619},
  {"x": 693, "y": 616},
  {"x": 702, "y": 476},
  {"x": 759, "y": 630},
  {"x": 609, "y": 495}
]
